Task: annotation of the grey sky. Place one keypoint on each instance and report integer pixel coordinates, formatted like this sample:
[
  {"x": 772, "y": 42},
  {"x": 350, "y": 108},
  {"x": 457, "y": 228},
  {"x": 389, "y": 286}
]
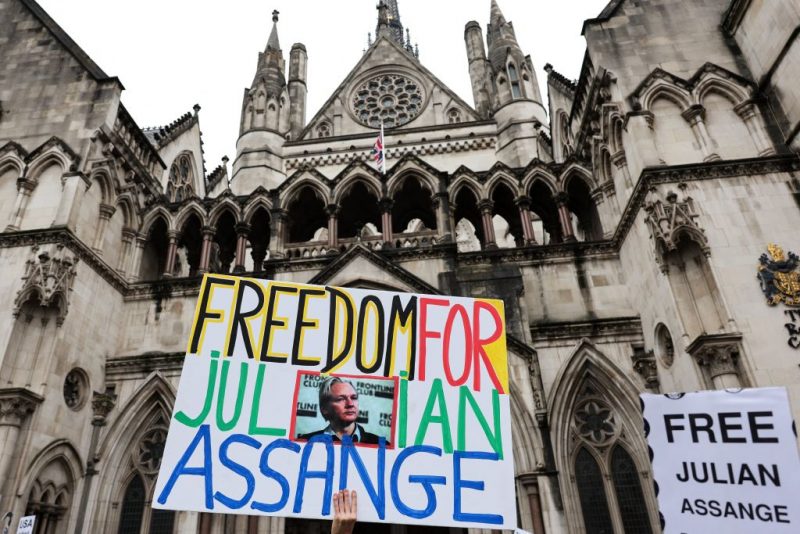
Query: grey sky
[{"x": 171, "y": 54}]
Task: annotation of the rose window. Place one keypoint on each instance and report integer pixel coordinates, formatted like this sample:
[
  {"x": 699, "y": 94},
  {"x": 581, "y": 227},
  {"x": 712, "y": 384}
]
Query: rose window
[{"x": 392, "y": 99}]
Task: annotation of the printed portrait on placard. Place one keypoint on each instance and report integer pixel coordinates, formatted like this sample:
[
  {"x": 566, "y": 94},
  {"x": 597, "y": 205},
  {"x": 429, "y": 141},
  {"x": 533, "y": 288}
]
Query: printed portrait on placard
[{"x": 362, "y": 408}]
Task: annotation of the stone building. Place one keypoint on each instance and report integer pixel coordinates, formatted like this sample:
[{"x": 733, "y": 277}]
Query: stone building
[{"x": 620, "y": 217}]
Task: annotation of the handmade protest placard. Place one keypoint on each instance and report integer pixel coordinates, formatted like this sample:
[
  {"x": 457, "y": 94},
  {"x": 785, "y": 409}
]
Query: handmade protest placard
[
  {"x": 724, "y": 461},
  {"x": 290, "y": 392}
]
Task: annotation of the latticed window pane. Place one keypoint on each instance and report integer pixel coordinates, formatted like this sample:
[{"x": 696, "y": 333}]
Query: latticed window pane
[
  {"x": 629, "y": 493},
  {"x": 161, "y": 522},
  {"x": 130, "y": 521},
  {"x": 594, "y": 504}
]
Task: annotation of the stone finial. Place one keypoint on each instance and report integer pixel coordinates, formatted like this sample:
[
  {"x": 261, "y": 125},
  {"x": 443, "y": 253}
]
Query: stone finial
[{"x": 275, "y": 14}]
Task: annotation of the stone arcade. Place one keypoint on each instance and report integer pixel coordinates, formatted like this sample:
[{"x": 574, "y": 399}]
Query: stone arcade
[{"x": 620, "y": 218}]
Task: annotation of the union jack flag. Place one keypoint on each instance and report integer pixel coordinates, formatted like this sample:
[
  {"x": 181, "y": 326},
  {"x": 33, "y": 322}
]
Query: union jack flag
[{"x": 379, "y": 152}]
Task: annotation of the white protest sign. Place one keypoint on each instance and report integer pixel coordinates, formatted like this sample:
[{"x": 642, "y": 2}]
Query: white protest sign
[
  {"x": 290, "y": 392},
  {"x": 26, "y": 524},
  {"x": 724, "y": 461}
]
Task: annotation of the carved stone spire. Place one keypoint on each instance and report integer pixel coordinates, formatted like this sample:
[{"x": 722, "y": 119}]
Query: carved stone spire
[{"x": 273, "y": 43}]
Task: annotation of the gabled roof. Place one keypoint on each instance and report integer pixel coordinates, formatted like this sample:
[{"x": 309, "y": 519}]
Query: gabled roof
[
  {"x": 66, "y": 41},
  {"x": 411, "y": 63},
  {"x": 360, "y": 252}
]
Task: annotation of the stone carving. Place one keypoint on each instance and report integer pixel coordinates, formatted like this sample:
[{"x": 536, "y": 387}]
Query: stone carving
[
  {"x": 102, "y": 404},
  {"x": 16, "y": 405},
  {"x": 49, "y": 274},
  {"x": 150, "y": 449},
  {"x": 644, "y": 363},
  {"x": 595, "y": 422},
  {"x": 392, "y": 99},
  {"x": 668, "y": 219},
  {"x": 779, "y": 276}
]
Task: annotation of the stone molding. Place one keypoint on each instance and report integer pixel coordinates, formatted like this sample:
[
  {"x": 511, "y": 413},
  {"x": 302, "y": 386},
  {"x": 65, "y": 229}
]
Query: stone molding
[
  {"x": 16, "y": 404},
  {"x": 644, "y": 363},
  {"x": 717, "y": 354}
]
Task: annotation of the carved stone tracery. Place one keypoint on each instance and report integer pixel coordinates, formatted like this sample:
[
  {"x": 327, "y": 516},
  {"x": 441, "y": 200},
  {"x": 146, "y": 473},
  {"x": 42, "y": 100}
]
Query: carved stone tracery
[
  {"x": 669, "y": 219},
  {"x": 49, "y": 275}
]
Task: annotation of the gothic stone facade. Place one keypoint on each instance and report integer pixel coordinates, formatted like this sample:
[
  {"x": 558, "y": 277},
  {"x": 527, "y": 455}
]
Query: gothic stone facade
[{"x": 620, "y": 219}]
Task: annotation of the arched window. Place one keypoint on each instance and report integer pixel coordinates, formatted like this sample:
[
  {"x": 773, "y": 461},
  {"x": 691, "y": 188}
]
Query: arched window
[
  {"x": 130, "y": 521},
  {"x": 135, "y": 516},
  {"x": 454, "y": 116},
  {"x": 469, "y": 226},
  {"x": 606, "y": 477},
  {"x": 582, "y": 205},
  {"x": 628, "y": 488},
  {"x": 181, "y": 179},
  {"x": 594, "y": 503},
  {"x": 513, "y": 77}
]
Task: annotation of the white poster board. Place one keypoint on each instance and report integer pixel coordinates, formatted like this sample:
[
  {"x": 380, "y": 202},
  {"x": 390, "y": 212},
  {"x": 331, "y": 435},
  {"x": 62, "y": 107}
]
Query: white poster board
[
  {"x": 420, "y": 383},
  {"x": 724, "y": 461},
  {"x": 26, "y": 524}
]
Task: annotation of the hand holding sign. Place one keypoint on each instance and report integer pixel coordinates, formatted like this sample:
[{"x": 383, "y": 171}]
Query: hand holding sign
[{"x": 345, "y": 512}]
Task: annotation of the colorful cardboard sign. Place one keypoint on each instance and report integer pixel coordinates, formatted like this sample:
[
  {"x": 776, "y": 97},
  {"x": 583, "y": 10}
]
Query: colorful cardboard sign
[
  {"x": 724, "y": 461},
  {"x": 290, "y": 392}
]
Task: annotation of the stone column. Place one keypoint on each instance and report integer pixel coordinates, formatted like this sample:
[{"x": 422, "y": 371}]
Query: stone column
[
  {"x": 695, "y": 116},
  {"x": 386, "y": 205},
  {"x": 486, "y": 207},
  {"x": 755, "y": 125},
  {"x": 205, "y": 249},
  {"x": 128, "y": 237},
  {"x": 134, "y": 267},
  {"x": 25, "y": 188},
  {"x": 172, "y": 252},
  {"x": 333, "y": 228},
  {"x": 106, "y": 212},
  {"x": 524, "y": 206},
  {"x": 565, "y": 217},
  {"x": 102, "y": 404},
  {"x": 441, "y": 203},
  {"x": 530, "y": 483},
  {"x": 242, "y": 229},
  {"x": 719, "y": 363},
  {"x": 278, "y": 223},
  {"x": 16, "y": 405}
]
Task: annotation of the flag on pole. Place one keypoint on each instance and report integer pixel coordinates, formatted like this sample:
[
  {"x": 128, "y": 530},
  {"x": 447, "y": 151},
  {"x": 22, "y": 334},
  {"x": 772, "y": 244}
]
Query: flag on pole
[{"x": 379, "y": 152}]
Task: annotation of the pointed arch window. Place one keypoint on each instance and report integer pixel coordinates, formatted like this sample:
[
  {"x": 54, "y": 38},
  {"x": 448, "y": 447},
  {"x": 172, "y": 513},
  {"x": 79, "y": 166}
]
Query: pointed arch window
[
  {"x": 589, "y": 479},
  {"x": 136, "y": 514},
  {"x": 607, "y": 480},
  {"x": 628, "y": 488},
  {"x": 181, "y": 179},
  {"x": 513, "y": 78}
]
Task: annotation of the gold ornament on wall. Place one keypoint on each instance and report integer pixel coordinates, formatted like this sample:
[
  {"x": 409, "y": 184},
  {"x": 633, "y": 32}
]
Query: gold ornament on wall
[{"x": 779, "y": 276}]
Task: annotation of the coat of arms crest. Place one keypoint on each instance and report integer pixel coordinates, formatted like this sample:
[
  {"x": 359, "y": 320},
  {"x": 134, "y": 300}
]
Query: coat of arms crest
[{"x": 779, "y": 276}]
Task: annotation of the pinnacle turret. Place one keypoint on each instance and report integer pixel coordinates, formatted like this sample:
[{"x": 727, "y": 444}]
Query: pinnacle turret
[
  {"x": 273, "y": 43},
  {"x": 390, "y": 26}
]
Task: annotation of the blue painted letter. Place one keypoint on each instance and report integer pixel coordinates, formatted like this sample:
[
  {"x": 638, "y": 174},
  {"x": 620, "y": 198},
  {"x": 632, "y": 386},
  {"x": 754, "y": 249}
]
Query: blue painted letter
[
  {"x": 237, "y": 468},
  {"x": 326, "y": 475},
  {"x": 204, "y": 435},
  {"x": 277, "y": 477},
  {"x": 427, "y": 482},
  {"x": 458, "y": 484}
]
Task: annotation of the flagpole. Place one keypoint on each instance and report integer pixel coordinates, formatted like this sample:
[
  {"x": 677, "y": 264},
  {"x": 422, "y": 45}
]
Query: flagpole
[{"x": 383, "y": 142}]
